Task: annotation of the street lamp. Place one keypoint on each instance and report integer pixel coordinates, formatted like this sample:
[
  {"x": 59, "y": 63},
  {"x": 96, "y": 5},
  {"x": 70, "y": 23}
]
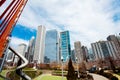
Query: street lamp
[
  {"x": 77, "y": 66},
  {"x": 62, "y": 66}
]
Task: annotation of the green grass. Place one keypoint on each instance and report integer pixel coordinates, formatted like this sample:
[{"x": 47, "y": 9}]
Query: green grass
[
  {"x": 52, "y": 78},
  {"x": 48, "y": 77},
  {"x": 119, "y": 74},
  {"x": 3, "y": 73}
]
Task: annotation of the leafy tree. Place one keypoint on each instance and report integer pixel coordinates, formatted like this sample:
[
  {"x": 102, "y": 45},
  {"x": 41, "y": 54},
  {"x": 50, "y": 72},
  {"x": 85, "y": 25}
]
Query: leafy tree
[{"x": 71, "y": 73}]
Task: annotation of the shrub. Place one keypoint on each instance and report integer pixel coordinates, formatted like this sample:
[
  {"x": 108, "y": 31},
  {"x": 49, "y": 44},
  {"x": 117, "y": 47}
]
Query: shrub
[
  {"x": 32, "y": 74},
  {"x": 107, "y": 75},
  {"x": 113, "y": 78}
]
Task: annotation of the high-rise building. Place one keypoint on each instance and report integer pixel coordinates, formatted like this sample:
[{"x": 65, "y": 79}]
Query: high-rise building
[
  {"x": 51, "y": 46},
  {"x": 104, "y": 49},
  {"x": 73, "y": 55},
  {"x": 65, "y": 45},
  {"x": 20, "y": 49},
  {"x": 85, "y": 53},
  {"x": 30, "y": 51},
  {"x": 90, "y": 55},
  {"x": 40, "y": 45},
  {"x": 116, "y": 41},
  {"x": 10, "y": 56},
  {"x": 78, "y": 51}
]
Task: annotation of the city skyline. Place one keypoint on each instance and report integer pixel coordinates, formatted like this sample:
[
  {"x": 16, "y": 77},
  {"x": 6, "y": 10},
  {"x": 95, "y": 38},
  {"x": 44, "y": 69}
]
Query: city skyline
[{"x": 89, "y": 22}]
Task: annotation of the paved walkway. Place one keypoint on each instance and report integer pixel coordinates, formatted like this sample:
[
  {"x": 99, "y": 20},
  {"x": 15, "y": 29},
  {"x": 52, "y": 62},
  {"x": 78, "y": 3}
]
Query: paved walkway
[{"x": 98, "y": 77}]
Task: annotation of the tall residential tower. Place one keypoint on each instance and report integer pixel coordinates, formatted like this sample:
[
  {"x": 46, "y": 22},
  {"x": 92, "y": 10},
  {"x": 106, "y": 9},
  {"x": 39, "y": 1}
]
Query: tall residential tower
[
  {"x": 78, "y": 51},
  {"x": 40, "y": 45},
  {"x": 104, "y": 49}
]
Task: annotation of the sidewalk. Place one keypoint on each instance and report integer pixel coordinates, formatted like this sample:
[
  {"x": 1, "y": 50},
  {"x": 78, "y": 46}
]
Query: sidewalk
[{"x": 98, "y": 77}]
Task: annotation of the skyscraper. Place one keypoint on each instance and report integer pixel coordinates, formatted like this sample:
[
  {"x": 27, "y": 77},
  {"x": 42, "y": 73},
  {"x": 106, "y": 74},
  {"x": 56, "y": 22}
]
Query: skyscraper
[
  {"x": 73, "y": 55},
  {"x": 40, "y": 45},
  {"x": 10, "y": 56},
  {"x": 20, "y": 49},
  {"x": 30, "y": 50},
  {"x": 116, "y": 41},
  {"x": 51, "y": 46},
  {"x": 78, "y": 51},
  {"x": 85, "y": 53},
  {"x": 65, "y": 45},
  {"x": 104, "y": 49}
]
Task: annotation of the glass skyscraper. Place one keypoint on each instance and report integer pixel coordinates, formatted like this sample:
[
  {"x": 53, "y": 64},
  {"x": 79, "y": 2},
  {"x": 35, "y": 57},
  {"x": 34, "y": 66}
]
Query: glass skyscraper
[
  {"x": 51, "y": 46},
  {"x": 65, "y": 45}
]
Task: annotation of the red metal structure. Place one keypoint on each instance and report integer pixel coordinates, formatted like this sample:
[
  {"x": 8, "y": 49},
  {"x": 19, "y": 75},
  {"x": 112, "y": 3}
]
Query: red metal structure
[{"x": 8, "y": 20}]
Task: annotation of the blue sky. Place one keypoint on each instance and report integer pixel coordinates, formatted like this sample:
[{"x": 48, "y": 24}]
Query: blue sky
[
  {"x": 87, "y": 20},
  {"x": 23, "y": 32}
]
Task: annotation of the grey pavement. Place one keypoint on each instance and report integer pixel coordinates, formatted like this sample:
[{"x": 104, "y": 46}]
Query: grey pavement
[{"x": 98, "y": 77}]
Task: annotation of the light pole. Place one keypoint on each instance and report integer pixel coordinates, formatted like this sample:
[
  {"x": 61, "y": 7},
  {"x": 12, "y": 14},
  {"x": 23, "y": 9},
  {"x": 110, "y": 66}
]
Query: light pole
[
  {"x": 77, "y": 67},
  {"x": 62, "y": 66}
]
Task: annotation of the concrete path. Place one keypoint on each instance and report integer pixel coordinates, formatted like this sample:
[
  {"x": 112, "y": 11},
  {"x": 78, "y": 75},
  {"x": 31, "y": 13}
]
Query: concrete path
[{"x": 98, "y": 77}]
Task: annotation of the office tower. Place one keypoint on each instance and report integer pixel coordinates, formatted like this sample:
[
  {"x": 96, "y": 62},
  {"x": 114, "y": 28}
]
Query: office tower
[
  {"x": 73, "y": 55},
  {"x": 20, "y": 49},
  {"x": 65, "y": 45},
  {"x": 10, "y": 56},
  {"x": 46, "y": 60},
  {"x": 104, "y": 49},
  {"x": 116, "y": 41},
  {"x": 39, "y": 45},
  {"x": 85, "y": 53},
  {"x": 78, "y": 51},
  {"x": 51, "y": 46},
  {"x": 90, "y": 55},
  {"x": 30, "y": 50}
]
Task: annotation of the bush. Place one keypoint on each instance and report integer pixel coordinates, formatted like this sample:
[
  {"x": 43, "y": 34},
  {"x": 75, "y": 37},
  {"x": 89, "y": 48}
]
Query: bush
[
  {"x": 59, "y": 73},
  {"x": 113, "y": 78},
  {"x": 107, "y": 75},
  {"x": 13, "y": 76}
]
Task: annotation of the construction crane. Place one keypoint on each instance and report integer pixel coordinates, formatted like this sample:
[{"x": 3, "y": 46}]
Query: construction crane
[{"x": 8, "y": 20}]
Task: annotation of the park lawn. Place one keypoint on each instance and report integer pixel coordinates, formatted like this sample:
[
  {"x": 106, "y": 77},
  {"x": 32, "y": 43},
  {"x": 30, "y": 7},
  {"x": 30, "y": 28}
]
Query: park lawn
[
  {"x": 49, "y": 77},
  {"x": 3, "y": 73},
  {"x": 52, "y": 78},
  {"x": 118, "y": 76}
]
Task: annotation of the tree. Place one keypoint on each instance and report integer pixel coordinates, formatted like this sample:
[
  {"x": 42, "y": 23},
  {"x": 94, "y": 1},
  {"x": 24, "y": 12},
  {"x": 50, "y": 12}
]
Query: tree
[
  {"x": 112, "y": 63},
  {"x": 71, "y": 73}
]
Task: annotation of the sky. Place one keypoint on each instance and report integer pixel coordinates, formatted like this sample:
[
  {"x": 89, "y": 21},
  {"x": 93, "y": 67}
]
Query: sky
[{"x": 87, "y": 20}]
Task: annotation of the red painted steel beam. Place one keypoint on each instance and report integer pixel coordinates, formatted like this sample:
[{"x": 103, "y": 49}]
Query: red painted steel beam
[
  {"x": 1, "y": 16},
  {"x": 1, "y": 2},
  {"x": 11, "y": 21},
  {"x": 9, "y": 16}
]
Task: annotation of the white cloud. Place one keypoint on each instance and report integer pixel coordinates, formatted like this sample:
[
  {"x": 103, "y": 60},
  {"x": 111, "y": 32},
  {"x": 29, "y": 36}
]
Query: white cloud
[
  {"x": 16, "y": 41},
  {"x": 87, "y": 20}
]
